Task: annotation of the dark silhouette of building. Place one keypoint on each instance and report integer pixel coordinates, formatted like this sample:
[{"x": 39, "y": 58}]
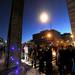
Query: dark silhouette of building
[
  {"x": 46, "y": 37},
  {"x": 52, "y": 36},
  {"x": 71, "y": 10}
]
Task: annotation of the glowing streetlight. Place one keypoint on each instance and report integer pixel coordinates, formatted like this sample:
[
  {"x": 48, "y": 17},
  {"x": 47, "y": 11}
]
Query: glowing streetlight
[
  {"x": 49, "y": 35},
  {"x": 44, "y": 17}
]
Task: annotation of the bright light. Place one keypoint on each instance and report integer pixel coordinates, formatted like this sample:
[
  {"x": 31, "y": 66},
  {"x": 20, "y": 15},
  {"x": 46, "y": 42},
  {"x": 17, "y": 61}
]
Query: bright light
[
  {"x": 17, "y": 71},
  {"x": 44, "y": 17},
  {"x": 57, "y": 41},
  {"x": 12, "y": 48},
  {"x": 26, "y": 62},
  {"x": 49, "y": 35},
  {"x": 54, "y": 53},
  {"x": 72, "y": 36},
  {"x": 61, "y": 41},
  {"x": 12, "y": 58},
  {"x": 74, "y": 43},
  {"x": 17, "y": 63},
  {"x": 26, "y": 49}
]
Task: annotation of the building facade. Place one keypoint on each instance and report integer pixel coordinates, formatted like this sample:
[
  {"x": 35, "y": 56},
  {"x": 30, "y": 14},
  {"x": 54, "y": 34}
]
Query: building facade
[
  {"x": 46, "y": 37},
  {"x": 71, "y": 11}
]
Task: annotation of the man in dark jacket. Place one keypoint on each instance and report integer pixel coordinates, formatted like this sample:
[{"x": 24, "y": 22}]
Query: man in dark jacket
[
  {"x": 62, "y": 60},
  {"x": 69, "y": 59},
  {"x": 48, "y": 61},
  {"x": 41, "y": 61}
]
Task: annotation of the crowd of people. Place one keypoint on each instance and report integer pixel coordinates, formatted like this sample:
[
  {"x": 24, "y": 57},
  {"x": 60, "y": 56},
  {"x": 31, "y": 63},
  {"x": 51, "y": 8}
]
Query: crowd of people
[
  {"x": 42, "y": 55},
  {"x": 65, "y": 59},
  {"x": 2, "y": 51}
]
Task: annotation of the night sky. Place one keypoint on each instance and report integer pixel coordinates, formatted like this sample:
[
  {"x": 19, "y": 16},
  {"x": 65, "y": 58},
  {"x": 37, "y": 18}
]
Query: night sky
[{"x": 32, "y": 8}]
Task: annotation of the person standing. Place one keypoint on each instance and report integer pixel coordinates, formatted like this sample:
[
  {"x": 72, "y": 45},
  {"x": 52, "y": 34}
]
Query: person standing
[
  {"x": 41, "y": 61},
  {"x": 62, "y": 60},
  {"x": 26, "y": 52},
  {"x": 69, "y": 59},
  {"x": 49, "y": 61}
]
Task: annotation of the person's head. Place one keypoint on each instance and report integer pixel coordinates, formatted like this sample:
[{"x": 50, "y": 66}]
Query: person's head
[
  {"x": 40, "y": 49},
  {"x": 70, "y": 47}
]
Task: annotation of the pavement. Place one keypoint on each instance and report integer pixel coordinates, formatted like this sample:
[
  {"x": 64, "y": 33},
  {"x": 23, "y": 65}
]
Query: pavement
[
  {"x": 25, "y": 69},
  {"x": 18, "y": 70}
]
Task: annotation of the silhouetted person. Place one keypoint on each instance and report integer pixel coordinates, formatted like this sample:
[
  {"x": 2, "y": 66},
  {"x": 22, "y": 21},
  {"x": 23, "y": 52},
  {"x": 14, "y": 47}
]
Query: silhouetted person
[
  {"x": 62, "y": 60},
  {"x": 1, "y": 51},
  {"x": 73, "y": 60},
  {"x": 35, "y": 59},
  {"x": 33, "y": 56},
  {"x": 48, "y": 61},
  {"x": 41, "y": 60},
  {"x": 69, "y": 59}
]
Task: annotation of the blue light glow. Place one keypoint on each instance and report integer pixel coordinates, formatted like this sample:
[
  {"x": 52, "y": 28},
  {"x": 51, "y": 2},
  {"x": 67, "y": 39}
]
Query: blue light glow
[
  {"x": 12, "y": 58},
  {"x": 17, "y": 71},
  {"x": 12, "y": 48},
  {"x": 17, "y": 63}
]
